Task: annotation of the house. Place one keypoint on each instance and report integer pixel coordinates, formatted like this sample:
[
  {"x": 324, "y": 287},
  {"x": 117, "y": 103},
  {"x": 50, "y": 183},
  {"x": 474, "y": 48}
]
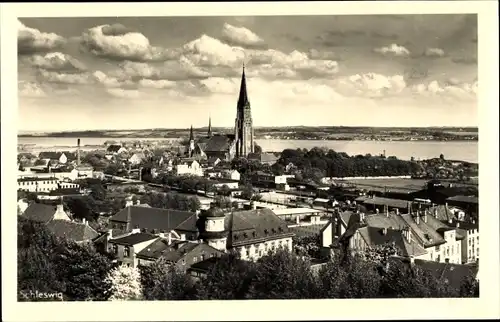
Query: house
[
  {"x": 84, "y": 170},
  {"x": 37, "y": 184},
  {"x": 252, "y": 233},
  {"x": 25, "y": 158},
  {"x": 156, "y": 219},
  {"x": 137, "y": 158},
  {"x": 191, "y": 167},
  {"x": 53, "y": 156},
  {"x": 231, "y": 175},
  {"x": 202, "y": 268},
  {"x": 470, "y": 243},
  {"x": 115, "y": 149},
  {"x": 182, "y": 254},
  {"x": 228, "y": 183},
  {"x": 125, "y": 248},
  {"x": 22, "y": 205},
  {"x": 296, "y": 215},
  {"x": 45, "y": 213},
  {"x": 75, "y": 231},
  {"x": 373, "y": 203},
  {"x": 440, "y": 243}
]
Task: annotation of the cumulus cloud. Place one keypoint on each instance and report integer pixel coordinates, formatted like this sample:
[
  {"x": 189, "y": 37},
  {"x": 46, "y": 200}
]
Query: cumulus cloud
[
  {"x": 465, "y": 60},
  {"x": 322, "y": 55},
  {"x": 451, "y": 88},
  {"x": 393, "y": 49},
  {"x": 370, "y": 85},
  {"x": 118, "y": 43},
  {"x": 434, "y": 52},
  {"x": 31, "y": 40},
  {"x": 55, "y": 61},
  {"x": 30, "y": 89},
  {"x": 64, "y": 78},
  {"x": 208, "y": 51},
  {"x": 110, "y": 81},
  {"x": 241, "y": 36}
]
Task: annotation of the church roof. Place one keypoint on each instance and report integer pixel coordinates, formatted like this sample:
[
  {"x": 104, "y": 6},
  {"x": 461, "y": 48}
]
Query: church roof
[
  {"x": 218, "y": 143},
  {"x": 243, "y": 98}
]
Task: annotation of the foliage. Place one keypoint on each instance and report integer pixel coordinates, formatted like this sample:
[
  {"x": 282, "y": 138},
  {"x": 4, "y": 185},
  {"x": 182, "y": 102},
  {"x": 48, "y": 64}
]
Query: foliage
[
  {"x": 163, "y": 281},
  {"x": 248, "y": 193},
  {"x": 230, "y": 278},
  {"x": 282, "y": 275},
  {"x": 334, "y": 164},
  {"x": 30, "y": 196},
  {"x": 185, "y": 183},
  {"x": 171, "y": 200},
  {"x": 124, "y": 284},
  {"x": 223, "y": 202},
  {"x": 50, "y": 264},
  {"x": 307, "y": 246},
  {"x": 82, "y": 208}
]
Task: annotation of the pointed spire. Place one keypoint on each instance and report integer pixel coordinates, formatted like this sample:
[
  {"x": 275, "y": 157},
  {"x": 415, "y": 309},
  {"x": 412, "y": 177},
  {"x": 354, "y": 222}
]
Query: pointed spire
[
  {"x": 243, "y": 98},
  {"x": 191, "y": 135},
  {"x": 209, "y": 126}
]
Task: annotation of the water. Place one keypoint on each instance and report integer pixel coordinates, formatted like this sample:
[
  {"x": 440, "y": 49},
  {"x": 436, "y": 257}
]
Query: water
[{"x": 452, "y": 150}]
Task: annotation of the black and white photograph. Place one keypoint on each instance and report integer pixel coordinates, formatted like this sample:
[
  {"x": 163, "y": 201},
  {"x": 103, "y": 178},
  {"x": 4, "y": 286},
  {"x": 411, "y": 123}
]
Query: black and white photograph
[{"x": 249, "y": 157}]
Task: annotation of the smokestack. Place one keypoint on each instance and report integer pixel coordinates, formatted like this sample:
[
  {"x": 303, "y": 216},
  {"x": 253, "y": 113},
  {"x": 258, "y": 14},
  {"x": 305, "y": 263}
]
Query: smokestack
[{"x": 78, "y": 152}]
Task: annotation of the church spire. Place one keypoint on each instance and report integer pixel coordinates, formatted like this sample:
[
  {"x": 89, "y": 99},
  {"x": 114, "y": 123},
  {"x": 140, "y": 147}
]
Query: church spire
[
  {"x": 243, "y": 98},
  {"x": 209, "y": 126},
  {"x": 191, "y": 135}
]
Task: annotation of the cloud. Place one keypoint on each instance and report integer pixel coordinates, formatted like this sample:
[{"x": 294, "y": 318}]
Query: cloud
[
  {"x": 370, "y": 85},
  {"x": 157, "y": 84},
  {"x": 30, "y": 89},
  {"x": 322, "y": 55},
  {"x": 30, "y": 40},
  {"x": 208, "y": 51},
  {"x": 393, "y": 49},
  {"x": 434, "y": 52},
  {"x": 110, "y": 81},
  {"x": 241, "y": 36},
  {"x": 64, "y": 78},
  {"x": 55, "y": 61},
  {"x": 465, "y": 60},
  {"x": 451, "y": 88},
  {"x": 116, "y": 42},
  {"x": 124, "y": 93}
]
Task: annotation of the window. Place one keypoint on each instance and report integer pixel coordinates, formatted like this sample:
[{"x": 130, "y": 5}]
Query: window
[
  {"x": 183, "y": 262},
  {"x": 202, "y": 257},
  {"x": 437, "y": 248},
  {"x": 195, "y": 259},
  {"x": 477, "y": 252},
  {"x": 115, "y": 249},
  {"x": 126, "y": 251}
]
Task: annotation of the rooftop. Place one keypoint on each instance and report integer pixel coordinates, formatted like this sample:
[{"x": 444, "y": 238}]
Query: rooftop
[
  {"x": 133, "y": 239},
  {"x": 380, "y": 201},
  {"x": 78, "y": 232},
  {"x": 40, "y": 212},
  {"x": 464, "y": 199},
  {"x": 294, "y": 211}
]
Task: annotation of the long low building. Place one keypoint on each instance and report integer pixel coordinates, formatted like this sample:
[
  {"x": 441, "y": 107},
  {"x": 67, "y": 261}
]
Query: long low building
[{"x": 291, "y": 214}]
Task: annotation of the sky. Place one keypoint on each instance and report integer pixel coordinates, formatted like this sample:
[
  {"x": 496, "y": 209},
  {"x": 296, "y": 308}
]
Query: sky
[{"x": 174, "y": 72}]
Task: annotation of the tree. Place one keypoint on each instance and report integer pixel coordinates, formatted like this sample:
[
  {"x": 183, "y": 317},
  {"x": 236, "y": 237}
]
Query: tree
[
  {"x": 229, "y": 279},
  {"x": 256, "y": 148},
  {"x": 349, "y": 277},
  {"x": 163, "y": 281},
  {"x": 82, "y": 208},
  {"x": 282, "y": 275},
  {"x": 124, "y": 284},
  {"x": 441, "y": 156}
]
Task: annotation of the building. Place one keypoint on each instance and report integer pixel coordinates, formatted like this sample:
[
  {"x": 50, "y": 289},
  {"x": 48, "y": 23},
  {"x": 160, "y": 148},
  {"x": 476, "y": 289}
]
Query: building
[
  {"x": 78, "y": 232},
  {"x": 115, "y": 149},
  {"x": 125, "y": 248},
  {"x": 297, "y": 215},
  {"x": 252, "y": 233},
  {"x": 37, "y": 184},
  {"x": 59, "y": 157},
  {"x": 233, "y": 185},
  {"x": 441, "y": 243},
  {"x": 137, "y": 158},
  {"x": 228, "y": 146},
  {"x": 45, "y": 213},
  {"x": 152, "y": 219},
  {"x": 188, "y": 167},
  {"x": 374, "y": 203},
  {"x": 84, "y": 171},
  {"x": 182, "y": 254},
  {"x": 264, "y": 158},
  {"x": 470, "y": 243}
]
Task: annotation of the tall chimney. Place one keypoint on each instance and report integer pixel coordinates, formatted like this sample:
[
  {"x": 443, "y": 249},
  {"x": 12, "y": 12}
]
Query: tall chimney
[{"x": 78, "y": 152}]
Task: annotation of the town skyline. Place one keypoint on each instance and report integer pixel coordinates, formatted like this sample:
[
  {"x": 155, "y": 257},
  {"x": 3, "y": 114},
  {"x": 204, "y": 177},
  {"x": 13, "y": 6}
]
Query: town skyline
[{"x": 171, "y": 72}]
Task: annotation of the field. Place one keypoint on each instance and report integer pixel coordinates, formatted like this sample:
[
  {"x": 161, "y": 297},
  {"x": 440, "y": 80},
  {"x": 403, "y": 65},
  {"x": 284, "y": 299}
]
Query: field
[{"x": 398, "y": 183}]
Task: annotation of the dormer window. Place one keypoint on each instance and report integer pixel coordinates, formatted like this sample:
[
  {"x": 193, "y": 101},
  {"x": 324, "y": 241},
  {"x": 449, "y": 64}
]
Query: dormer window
[
  {"x": 280, "y": 229},
  {"x": 245, "y": 235},
  {"x": 273, "y": 230},
  {"x": 266, "y": 231}
]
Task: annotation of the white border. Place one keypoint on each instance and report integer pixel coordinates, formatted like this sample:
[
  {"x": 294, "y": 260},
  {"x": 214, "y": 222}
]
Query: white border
[{"x": 485, "y": 307}]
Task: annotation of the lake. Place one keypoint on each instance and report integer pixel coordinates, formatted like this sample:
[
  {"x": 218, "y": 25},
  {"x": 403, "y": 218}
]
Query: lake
[{"x": 452, "y": 150}]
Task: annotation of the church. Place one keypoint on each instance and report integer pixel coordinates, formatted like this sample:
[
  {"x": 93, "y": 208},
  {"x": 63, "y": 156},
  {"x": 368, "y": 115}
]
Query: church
[{"x": 227, "y": 146}]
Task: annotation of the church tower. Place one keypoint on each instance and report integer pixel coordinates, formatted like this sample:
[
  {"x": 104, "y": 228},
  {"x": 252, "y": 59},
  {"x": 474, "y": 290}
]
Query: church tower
[
  {"x": 209, "y": 134},
  {"x": 243, "y": 130},
  {"x": 191, "y": 142}
]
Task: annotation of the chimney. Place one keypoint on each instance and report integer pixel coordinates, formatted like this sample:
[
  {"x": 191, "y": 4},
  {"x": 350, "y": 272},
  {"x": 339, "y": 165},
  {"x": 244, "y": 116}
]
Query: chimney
[
  {"x": 417, "y": 218},
  {"x": 425, "y": 215},
  {"x": 377, "y": 211},
  {"x": 78, "y": 152},
  {"x": 183, "y": 236},
  {"x": 129, "y": 203},
  {"x": 84, "y": 221},
  {"x": 169, "y": 238},
  {"x": 458, "y": 224},
  {"x": 435, "y": 213},
  {"x": 384, "y": 231},
  {"x": 397, "y": 211},
  {"x": 297, "y": 219},
  {"x": 450, "y": 221},
  {"x": 412, "y": 260},
  {"x": 129, "y": 218},
  {"x": 409, "y": 207},
  {"x": 138, "y": 202},
  {"x": 110, "y": 234}
]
